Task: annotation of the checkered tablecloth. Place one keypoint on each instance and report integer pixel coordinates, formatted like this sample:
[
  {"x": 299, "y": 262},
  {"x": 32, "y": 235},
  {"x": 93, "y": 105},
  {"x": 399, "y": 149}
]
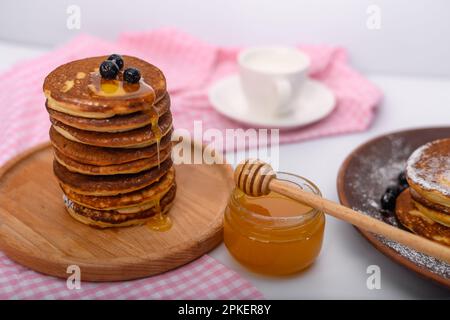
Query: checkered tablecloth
[{"x": 204, "y": 278}]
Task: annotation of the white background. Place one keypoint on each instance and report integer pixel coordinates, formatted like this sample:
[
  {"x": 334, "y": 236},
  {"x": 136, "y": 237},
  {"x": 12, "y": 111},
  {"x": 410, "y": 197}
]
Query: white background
[
  {"x": 408, "y": 58},
  {"x": 413, "y": 39}
]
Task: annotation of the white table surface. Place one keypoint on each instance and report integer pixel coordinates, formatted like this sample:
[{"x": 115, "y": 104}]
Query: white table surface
[{"x": 340, "y": 271}]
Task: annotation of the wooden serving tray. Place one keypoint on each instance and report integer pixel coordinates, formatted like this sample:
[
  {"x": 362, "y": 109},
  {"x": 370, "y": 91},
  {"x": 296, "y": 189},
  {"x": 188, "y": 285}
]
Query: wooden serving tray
[{"x": 37, "y": 232}]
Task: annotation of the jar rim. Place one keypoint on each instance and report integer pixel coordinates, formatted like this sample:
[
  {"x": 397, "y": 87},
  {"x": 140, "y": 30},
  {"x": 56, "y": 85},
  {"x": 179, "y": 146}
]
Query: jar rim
[{"x": 304, "y": 217}]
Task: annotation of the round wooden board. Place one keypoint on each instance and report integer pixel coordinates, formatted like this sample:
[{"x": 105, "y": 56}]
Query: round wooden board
[
  {"x": 364, "y": 176},
  {"x": 37, "y": 232}
]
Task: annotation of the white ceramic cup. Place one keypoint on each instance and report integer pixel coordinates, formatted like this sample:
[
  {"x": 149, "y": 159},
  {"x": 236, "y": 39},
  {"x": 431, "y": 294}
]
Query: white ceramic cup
[{"x": 272, "y": 78}]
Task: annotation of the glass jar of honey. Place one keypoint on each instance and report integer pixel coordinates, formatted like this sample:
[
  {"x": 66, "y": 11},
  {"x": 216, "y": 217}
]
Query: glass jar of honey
[{"x": 273, "y": 234}]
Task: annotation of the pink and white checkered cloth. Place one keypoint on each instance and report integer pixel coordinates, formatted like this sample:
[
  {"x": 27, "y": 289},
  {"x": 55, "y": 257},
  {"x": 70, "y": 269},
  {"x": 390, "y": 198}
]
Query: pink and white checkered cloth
[
  {"x": 204, "y": 278},
  {"x": 190, "y": 67}
]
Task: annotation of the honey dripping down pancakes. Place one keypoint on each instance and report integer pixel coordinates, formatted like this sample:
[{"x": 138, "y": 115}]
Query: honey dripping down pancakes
[
  {"x": 111, "y": 135},
  {"x": 424, "y": 207}
]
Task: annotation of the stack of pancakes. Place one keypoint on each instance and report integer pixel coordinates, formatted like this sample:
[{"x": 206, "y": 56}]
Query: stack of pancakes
[
  {"x": 424, "y": 207},
  {"x": 112, "y": 143}
]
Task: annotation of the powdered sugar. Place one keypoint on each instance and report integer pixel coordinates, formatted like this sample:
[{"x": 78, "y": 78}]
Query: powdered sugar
[
  {"x": 430, "y": 170},
  {"x": 379, "y": 173},
  {"x": 419, "y": 258}
]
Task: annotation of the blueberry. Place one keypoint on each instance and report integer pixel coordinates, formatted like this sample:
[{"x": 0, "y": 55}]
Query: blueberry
[
  {"x": 117, "y": 58},
  {"x": 402, "y": 181},
  {"x": 394, "y": 190},
  {"x": 388, "y": 201},
  {"x": 109, "y": 69},
  {"x": 131, "y": 75},
  {"x": 390, "y": 218},
  {"x": 386, "y": 213}
]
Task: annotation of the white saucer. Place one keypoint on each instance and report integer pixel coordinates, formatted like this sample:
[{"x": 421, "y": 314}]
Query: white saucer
[{"x": 315, "y": 103}]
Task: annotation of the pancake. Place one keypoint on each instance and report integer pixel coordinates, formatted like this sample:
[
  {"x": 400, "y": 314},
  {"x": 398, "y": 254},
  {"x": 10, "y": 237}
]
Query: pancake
[
  {"x": 137, "y": 138},
  {"x": 68, "y": 89},
  {"x": 109, "y": 185},
  {"x": 154, "y": 201},
  {"x": 118, "y": 123},
  {"x": 434, "y": 206},
  {"x": 126, "y": 200},
  {"x": 435, "y": 212},
  {"x": 428, "y": 172},
  {"x": 123, "y": 168},
  {"x": 410, "y": 217},
  {"x": 436, "y": 216},
  {"x": 106, "y": 219},
  {"x": 101, "y": 156}
]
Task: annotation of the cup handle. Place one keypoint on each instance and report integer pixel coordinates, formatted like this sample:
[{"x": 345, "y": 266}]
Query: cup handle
[{"x": 283, "y": 91}]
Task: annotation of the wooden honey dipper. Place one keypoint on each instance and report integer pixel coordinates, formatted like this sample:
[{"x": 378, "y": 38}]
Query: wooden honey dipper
[{"x": 257, "y": 178}]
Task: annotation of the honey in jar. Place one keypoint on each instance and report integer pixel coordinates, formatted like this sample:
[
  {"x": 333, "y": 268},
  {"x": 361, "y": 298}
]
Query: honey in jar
[{"x": 273, "y": 234}]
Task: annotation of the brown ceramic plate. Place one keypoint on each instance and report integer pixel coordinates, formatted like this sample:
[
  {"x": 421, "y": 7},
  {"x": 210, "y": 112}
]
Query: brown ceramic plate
[{"x": 364, "y": 176}]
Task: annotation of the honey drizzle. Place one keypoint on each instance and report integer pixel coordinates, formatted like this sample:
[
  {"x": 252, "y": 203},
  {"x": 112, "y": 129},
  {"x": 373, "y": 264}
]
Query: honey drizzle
[
  {"x": 156, "y": 130},
  {"x": 160, "y": 221},
  {"x": 120, "y": 89},
  {"x": 67, "y": 86}
]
